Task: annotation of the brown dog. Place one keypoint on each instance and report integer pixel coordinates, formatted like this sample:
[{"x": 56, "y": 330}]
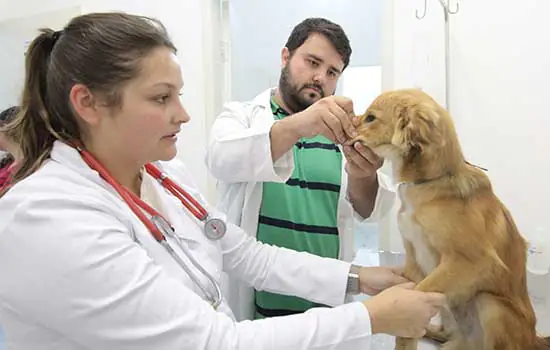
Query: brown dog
[{"x": 459, "y": 238}]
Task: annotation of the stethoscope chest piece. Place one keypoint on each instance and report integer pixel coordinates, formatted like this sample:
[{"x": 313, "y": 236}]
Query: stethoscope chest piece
[
  {"x": 214, "y": 228},
  {"x": 159, "y": 227}
]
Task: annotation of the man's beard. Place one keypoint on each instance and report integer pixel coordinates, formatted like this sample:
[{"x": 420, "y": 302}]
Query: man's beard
[{"x": 290, "y": 92}]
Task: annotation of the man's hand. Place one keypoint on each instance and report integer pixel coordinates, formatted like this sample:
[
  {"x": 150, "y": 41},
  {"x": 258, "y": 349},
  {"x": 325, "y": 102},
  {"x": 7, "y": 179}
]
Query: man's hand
[
  {"x": 331, "y": 117},
  {"x": 373, "y": 280},
  {"x": 362, "y": 163},
  {"x": 362, "y": 166}
]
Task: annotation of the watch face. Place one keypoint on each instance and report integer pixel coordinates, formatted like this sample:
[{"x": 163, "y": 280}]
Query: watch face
[{"x": 214, "y": 228}]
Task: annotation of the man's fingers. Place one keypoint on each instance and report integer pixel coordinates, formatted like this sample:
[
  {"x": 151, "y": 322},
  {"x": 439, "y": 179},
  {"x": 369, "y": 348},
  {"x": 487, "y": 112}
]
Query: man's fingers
[
  {"x": 366, "y": 153},
  {"x": 333, "y": 124},
  {"x": 344, "y": 119},
  {"x": 345, "y": 103},
  {"x": 327, "y": 132},
  {"x": 354, "y": 157}
]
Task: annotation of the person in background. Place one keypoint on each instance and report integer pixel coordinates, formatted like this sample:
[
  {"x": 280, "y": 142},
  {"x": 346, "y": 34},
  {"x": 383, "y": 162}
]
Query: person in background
[
  {"x": 284, "y": 174},
  {"x": 10, "y": 155}
]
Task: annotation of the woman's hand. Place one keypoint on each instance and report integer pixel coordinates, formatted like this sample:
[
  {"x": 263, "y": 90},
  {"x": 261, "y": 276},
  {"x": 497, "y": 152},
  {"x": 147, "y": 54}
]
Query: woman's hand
[{"x": 402, "y": 311}]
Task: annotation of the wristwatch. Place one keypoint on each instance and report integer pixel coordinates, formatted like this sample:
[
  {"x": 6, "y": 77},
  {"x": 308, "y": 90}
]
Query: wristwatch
[{"x": 353, "y": 280}]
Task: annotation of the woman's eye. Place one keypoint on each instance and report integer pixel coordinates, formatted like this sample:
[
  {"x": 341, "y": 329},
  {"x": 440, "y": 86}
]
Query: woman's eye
[
  {"x": 370, "y": 118},
  {"x": 162, "y": 99}
]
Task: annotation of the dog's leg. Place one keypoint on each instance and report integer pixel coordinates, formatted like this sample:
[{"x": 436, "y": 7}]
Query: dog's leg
[
  {"x": 455, "y": 278},
  {"x": 446, "y": 329},
  {"x": 502, "y": 328},
  {"x": 459, "y": 344},
  {"x": 406, "y": 344},
  {"x": 460, "y": 321},
  {"x": 411, "y": 271}
]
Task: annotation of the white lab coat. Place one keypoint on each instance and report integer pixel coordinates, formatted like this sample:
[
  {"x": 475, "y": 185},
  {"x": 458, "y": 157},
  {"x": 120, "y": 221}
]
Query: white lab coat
[
  {"x": 73, "y": 276},
  {"x": 239, "y": 157}
]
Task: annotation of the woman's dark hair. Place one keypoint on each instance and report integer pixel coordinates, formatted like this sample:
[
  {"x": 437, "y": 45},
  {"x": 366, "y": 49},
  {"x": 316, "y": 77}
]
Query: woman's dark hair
[
  {"x": 6, "y": 116},
  {"x": 102, "y": 51}
]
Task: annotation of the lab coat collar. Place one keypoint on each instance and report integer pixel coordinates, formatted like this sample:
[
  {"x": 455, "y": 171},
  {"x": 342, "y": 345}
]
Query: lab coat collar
[
  {"x": 64, "y": 154},
  {"x": 264, "y": 98}
]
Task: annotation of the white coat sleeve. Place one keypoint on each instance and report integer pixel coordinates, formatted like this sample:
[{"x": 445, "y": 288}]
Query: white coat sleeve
[
  {"x": 284, "y": 271},
  {"x": 76, "y": 271},
  {"x": 385, "y": 198},
  {"x": 239, "y": 150}
]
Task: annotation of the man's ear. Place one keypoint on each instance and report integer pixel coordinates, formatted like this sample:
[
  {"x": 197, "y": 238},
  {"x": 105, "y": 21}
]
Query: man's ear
[
  {"x": 285, "y": 57},
  {"x": 417, "y": 128}
]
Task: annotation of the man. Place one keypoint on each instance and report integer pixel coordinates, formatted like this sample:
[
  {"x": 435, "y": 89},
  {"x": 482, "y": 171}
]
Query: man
[{"x": 282, "y": 176}]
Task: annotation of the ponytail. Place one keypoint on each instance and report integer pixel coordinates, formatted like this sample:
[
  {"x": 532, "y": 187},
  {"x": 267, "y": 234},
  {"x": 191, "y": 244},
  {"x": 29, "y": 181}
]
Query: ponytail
[
  {"x": 101, "y": 51},
  {"x": 31, "y": 129}
]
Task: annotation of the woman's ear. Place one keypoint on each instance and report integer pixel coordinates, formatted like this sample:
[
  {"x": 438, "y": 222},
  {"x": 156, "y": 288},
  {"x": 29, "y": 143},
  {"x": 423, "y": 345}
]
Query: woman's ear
[{"x": 84, "y": 104}]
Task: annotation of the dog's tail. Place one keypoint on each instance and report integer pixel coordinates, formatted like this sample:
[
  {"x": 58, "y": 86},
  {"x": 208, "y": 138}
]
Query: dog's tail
[{"x": 543, "y": 343}]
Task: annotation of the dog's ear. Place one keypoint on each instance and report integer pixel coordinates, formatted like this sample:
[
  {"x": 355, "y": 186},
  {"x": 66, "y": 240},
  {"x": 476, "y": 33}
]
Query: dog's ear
[{"x": 417, "y": 128}]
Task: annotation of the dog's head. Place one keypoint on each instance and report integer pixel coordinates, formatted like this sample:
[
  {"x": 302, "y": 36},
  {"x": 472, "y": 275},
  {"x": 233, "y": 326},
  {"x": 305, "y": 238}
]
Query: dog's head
[{"x": 404, "y": 123}]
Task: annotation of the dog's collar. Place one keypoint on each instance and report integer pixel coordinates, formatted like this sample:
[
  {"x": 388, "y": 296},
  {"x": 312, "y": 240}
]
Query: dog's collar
[
  {"x": 475, "y": 166},
  {"x": 423, "y": 181}
]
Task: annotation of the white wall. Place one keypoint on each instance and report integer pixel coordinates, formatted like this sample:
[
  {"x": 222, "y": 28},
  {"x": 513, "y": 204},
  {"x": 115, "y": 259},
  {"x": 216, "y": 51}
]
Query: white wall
[
  {"x": 260, "y": 28},
  {"x": 499, "y": 94},
  {"x": 192, "y": 26}
]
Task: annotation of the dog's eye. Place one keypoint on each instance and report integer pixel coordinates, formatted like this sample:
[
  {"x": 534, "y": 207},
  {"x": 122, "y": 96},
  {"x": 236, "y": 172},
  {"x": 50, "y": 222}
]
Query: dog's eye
[{"x": 370, "y": 118}]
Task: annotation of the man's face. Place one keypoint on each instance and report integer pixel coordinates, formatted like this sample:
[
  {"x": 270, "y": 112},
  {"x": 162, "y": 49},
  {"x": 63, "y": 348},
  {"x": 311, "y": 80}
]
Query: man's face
[{"x": 310, "y": 74}]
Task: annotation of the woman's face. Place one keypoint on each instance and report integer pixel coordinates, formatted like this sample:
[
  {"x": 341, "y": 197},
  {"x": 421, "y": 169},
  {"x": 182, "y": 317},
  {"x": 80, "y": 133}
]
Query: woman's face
[{"x": 145, "y": 127}]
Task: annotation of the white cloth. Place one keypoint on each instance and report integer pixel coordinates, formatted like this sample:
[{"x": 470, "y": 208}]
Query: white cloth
[
  {"x": 239, "y": 157},
  {"x": 73, "y": 275}
]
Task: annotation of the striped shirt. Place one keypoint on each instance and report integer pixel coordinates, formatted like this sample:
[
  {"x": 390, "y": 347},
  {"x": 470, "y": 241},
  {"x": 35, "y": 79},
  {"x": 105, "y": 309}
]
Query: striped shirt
[{"x": 301, "y": 214}]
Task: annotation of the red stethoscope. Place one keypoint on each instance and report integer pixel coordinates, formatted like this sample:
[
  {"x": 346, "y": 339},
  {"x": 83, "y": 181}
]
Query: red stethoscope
[
  {"x": 213, "y": 228},
  {"x": 159, "y": 226}
]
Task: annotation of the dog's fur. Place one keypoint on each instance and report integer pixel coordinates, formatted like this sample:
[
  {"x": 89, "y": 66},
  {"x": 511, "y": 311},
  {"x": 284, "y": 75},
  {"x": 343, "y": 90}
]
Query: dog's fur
[{"x": 459, "y": 238}]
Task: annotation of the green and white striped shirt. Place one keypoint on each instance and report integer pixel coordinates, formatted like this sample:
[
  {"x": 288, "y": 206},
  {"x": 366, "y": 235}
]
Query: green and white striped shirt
[{"x": 301, "y": 214}]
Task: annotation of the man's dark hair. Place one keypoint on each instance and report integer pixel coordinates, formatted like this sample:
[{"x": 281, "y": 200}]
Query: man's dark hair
[{"x": 330, "y": 30}]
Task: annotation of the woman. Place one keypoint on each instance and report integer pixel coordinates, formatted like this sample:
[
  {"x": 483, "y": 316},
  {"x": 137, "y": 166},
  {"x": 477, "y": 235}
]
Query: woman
[
  {"x": 83, "y": 261},
  {"x": 10, "y": 157}
]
